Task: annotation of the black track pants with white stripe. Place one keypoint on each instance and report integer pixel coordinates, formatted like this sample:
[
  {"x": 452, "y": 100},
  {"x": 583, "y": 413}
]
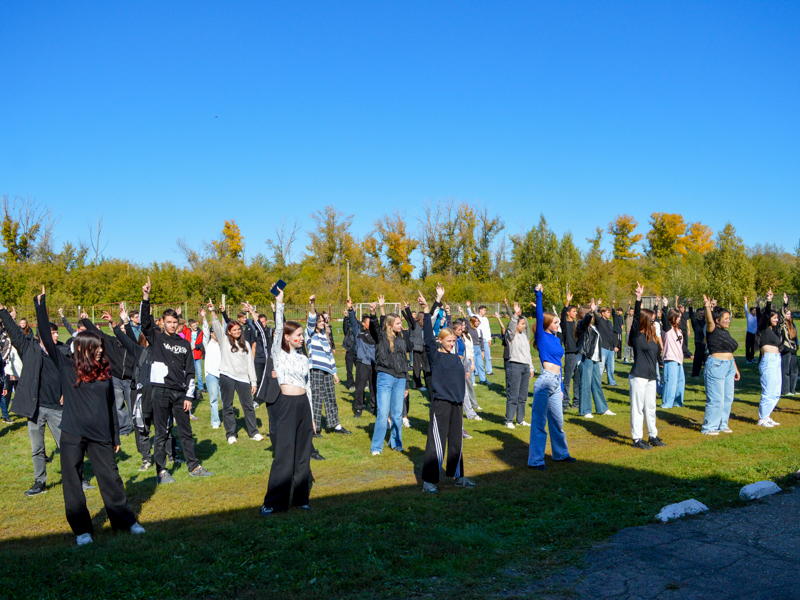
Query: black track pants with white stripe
[{"x": 445, "y": 426}]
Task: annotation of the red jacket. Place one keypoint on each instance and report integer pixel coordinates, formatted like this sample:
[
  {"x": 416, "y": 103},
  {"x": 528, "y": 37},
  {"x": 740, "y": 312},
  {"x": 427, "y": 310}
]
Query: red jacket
[{"x": 197, "y": 347}]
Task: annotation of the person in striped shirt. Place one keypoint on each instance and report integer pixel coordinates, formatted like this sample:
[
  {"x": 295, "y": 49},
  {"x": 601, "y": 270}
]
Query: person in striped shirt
[{"x": 322, "y": 372}]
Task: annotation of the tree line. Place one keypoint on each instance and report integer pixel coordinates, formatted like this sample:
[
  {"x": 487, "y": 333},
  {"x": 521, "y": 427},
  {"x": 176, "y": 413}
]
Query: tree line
[{"x": 460, "y": 244}]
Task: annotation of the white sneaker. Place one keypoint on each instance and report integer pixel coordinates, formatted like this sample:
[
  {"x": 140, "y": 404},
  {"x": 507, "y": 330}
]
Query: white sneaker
[
  {"x": 710, "y": 432},
  {"x": 257, "y": 437},
  {"x": 773, "y": 422},
  {"x": 231, "y": 440},
  {"x": 406, "y": 422},
  {"x": 764, "y": 423},
  {"x": 477, "y": 418},
  {"x": 422, "y": 389},
  {"x": 136, "y": 528},
  {"x": 524, "y": 424},
  {"x": 588, "y": 416},
  {"x": 727, "y": 430},
  {"x": 376, "y": 453},
  {"x": 478, "y": 408},
  {"x": 255, "y": 405},
  {"x": 608, "y": 413},
  {"x": 83, "y": 539},
  {"x": 510, "y": 425},
  {"x": 215, "y": 427}
]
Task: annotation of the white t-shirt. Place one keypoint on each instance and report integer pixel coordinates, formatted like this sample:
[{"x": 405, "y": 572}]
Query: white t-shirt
[{"x": 484, "y": 327}]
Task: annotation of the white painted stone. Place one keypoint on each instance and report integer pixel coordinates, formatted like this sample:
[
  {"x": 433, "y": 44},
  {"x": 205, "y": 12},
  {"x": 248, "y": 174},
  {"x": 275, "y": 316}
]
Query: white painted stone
[
  {"x": 681, "y": 509},
  {"x": 759, "y": 489}
]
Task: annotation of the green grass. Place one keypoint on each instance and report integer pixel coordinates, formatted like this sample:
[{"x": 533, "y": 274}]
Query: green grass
[{"x": 372, "y": 534}]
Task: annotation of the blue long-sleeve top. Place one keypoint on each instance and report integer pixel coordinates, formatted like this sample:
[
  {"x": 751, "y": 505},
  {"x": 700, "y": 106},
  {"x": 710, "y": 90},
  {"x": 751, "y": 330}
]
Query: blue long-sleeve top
[
  {"x": 549, "y": 345},
  {"x": 752, "y": 320}
]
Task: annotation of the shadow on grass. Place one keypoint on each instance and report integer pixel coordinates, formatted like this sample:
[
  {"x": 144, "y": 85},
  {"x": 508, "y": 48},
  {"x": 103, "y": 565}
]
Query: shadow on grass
[
  {"x": 599, "y": 430},
  {"x": 388, "y": 543},
  {"x": 13, "y": 427}
]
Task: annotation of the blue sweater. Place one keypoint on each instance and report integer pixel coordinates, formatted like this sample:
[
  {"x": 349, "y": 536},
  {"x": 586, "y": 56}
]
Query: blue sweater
[{"x": 550, "y": 349}]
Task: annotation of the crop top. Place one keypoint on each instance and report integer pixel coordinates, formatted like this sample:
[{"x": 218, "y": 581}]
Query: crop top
[
  {"x": 766, "y": 335},
  {"x": 548, "y": 344},
  {"x": 720, "y": 341},
  {"x": 291, "y": 368}
]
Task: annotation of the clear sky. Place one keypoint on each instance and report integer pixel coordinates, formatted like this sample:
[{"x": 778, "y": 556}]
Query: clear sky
[{"x": 169, "y": 117}]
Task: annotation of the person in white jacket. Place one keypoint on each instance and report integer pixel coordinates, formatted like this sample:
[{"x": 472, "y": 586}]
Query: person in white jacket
[
  {"x": 211, "y": 369},
  {"x": 237, "y": 373}
]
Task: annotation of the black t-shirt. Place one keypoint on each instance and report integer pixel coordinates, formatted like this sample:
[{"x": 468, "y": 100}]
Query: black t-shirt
[
  {"x": 50, "y": 383},
  {"x": 720, "y": 341}
]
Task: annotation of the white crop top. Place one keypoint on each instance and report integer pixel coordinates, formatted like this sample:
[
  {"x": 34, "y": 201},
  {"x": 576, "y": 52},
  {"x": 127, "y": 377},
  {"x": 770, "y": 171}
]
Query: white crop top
[{"x": 291, "y": 368}]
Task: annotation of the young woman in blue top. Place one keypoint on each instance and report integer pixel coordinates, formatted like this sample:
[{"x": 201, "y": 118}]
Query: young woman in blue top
[{"x": 547, "y": 393}]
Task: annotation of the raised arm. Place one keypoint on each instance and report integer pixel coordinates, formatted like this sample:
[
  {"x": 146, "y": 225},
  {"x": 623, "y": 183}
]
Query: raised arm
[
  {"x": 637, "y": 314},
  {"x": 539, "y": 311},
  {"x": 15, "y": 334},
  {"x": 145, "y": 318},
  {"x": 70, "y": 329},
  {"x": 43, "y": 325},
  {"x": 277, "y": 337}
]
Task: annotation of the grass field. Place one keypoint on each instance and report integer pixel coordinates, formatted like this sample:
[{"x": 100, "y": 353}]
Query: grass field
[{"x": 372, "y": 533}]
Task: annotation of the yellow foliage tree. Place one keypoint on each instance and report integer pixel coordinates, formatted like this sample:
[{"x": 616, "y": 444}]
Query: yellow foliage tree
[
  {"x": 395, "y": 242},
  {"x": 231, "y": 245},
  {"x": 698, "y": 239},
  {"x": 622, "y": 228},
  {"x": 666, "y": 233}
]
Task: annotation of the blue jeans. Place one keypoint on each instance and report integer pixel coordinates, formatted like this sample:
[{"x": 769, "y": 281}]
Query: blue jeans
[
  {"x": 390, "y": 402},
  {"x": 547, "y": 407},
  {"x": 590, "y": 387},
  {"x": 607, "y": 358},
  {"x": 479, "y": 366},
  {"x": 770, "y": 369},
  {"x": 487, "y": 350},
  {"x": 198, "y": 373},
  {"x": 212, "y": 382},
  {"x": 4, "y": 405},
  {"x": 718, "y": 377},
  {"x": 674, "y": 384}
]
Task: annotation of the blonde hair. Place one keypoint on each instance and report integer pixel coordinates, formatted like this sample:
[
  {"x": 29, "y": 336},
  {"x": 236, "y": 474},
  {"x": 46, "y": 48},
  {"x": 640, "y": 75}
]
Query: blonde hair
[
  {"x": 388, "y": 331},
  {"x": 444, "y": 332}
]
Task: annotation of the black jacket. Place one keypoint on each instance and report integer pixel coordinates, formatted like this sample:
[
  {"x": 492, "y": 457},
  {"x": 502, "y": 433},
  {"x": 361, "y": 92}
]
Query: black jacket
[
  {"x": 587, "y": 337},
  {"x": 393, "y": 362},
  {"x": 26, "y": 398}
]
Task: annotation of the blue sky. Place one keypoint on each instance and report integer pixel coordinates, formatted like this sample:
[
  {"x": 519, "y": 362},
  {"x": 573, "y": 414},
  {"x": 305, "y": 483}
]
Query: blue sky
[{"x": 168, "y": 118}]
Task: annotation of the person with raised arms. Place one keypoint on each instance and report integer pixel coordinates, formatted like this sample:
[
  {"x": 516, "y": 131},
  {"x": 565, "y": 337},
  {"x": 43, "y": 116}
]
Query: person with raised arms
[
  {"x": 172, "y": 379},
  {"x": 547, "y": 391},
  {"x": 88, "y": 426},
  {"x": 294, "y": 420},
  {"x": 720, "y": 369},
  {"x": 642, "y": 379},
  {"x": 447, "y": 387}
]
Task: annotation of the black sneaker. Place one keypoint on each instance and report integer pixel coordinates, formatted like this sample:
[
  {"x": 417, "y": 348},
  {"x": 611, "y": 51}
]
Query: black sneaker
[
  {"x": 569, "y": 459},
  {"x": 38, "y": 487},
  {"x": 146, "y": 464},
  {"x": 357, "y": 414},
  {"x": 317, "y": 435},
  {"x": 342, "y": 430},
  {"x": 642, "y": 445},
  {"x": 49, "y": 459},
  {"x": 7, "y": 420},
  {"x": 656, "y": 441},
  {"x": 315, "y": 455}
]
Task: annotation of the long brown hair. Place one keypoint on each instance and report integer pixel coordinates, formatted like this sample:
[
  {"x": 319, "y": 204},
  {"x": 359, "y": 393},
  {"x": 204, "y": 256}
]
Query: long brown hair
[
  {"x": 647, "y": 325},
  {"x": 87, "y": 367},
  {"x": 790, "y": 326},
  {"x": 672, "y": 316},
  {"x": 288, "y": 329},
  {"x": 236, "y": 344}
]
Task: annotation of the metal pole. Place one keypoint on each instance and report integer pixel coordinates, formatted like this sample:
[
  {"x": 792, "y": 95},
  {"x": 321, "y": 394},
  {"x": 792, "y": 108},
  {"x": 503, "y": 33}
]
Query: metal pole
[{"x": 348, "y": 278}]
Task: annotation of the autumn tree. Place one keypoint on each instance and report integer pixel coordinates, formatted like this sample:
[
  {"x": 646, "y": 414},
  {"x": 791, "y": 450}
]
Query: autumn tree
[
  {"x": 391, "y": 240},
  {"x": 230, "y": 246},
  {"x": 281, "y": 244},
  {"x": 665, "y": 235},
  {"x": 439, "y": 236},
  {"x": 698, "y": 238},
  {"x": 488, "y": 228},
  {"x": 622, "y": 228},
  {"x": 331, "y": 241},
  {"x": 27, "y": 230},
  {"x": 772, "y": 267}
]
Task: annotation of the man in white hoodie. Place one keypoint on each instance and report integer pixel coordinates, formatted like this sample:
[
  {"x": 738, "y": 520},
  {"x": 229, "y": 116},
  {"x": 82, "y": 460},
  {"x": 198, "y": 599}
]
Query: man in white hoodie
[{"x": 486, "y": 330}]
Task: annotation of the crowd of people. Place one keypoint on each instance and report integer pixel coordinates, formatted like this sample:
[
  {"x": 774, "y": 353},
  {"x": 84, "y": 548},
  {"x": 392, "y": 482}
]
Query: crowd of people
[{"x": 148, "y": 373}]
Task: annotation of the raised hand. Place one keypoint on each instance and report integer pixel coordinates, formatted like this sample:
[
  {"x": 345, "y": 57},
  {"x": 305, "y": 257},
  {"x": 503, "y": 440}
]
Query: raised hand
[
  {"x": 421, "y": 300},
  {"x": 745, "y": 299},
  {"x": 517, "y": 308},
  {"x": 785, "y": 298},
  {"x": 569, "y": 297},
  {"x": 405, "y": 304},
  {"x": 123, "y": 314},
  {"x": 61, "y": 312},
  {"x": 770, "y": 295},
  {"x": 372, "y": 307},
  {"x": 593, "y": 305},
  {"x": 203, "y": 313},
  {"x": 706, "y": 301},
  {"x": 349, "y": 303},
  {"x": 279, "y": 297},
  {"x": 39, "y": 297},
  {"x": 665, "y": 301},
  {"x": 381, "y": 300},
  {"x": 146, "y": 289},
  {"x": 460, "y": 310},
  {"x": 178, "y": 310},
  {"x": 497, "y": 316},
  {"x": 440, "y": 293},
  {"x": 13, "y": 313},
  {"x": 468, "y": 303},
  {"x": 106, "y": 316},
  {"x": 599, "y": 302},
  {"x": 639, "y": 291},
  {"x": 84, "y": 315},
  {"x": 312, "y": 298}
]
